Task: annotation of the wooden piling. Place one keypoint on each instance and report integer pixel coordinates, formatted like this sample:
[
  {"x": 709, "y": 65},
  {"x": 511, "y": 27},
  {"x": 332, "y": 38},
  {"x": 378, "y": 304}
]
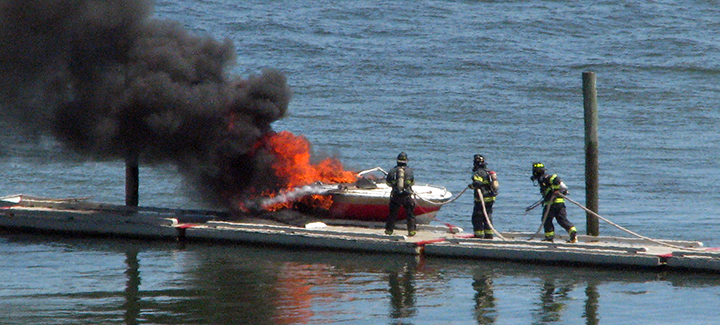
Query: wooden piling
[
  {"x": 132, "y": 182},
  {"x": 591, "y": 151}
]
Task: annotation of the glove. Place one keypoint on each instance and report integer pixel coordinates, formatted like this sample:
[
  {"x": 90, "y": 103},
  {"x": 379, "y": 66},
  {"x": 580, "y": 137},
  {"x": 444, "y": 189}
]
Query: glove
[{"x": 470, "y": 186}]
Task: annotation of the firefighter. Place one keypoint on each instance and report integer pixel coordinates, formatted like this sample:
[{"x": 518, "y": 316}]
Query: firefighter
[
  {"x": 550, "y": 187},
  {"x": 400, "y": 179},
  {"x": 485, "y": 182}
]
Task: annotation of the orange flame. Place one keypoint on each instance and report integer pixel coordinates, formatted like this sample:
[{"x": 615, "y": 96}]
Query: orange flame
[{"x": 292, "y": 164}]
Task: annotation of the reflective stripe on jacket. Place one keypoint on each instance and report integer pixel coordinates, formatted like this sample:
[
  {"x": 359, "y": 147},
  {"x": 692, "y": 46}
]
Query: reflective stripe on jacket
[
  {"x": 548, "y": 185},
  {"x": 482, "y": 180}
]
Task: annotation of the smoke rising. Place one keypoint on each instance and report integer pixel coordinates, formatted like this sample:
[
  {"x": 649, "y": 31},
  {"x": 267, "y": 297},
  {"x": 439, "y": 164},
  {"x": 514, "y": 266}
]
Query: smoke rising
[{"x": 110, "y": 82}]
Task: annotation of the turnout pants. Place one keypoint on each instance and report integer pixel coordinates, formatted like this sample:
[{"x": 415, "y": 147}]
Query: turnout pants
[
  {"x": 480, "y": 225},
  {"x": 405, "y": 201},
  {"x": 557, "y": 211}
]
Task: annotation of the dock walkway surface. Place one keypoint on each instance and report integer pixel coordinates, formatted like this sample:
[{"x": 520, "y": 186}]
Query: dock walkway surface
[{"x": 74, "y": 217}]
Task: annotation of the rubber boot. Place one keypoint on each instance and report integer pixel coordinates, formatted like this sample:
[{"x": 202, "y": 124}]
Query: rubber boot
[
  {"x": 573, "y": 237},
  {"x": 488, "y": 236}
]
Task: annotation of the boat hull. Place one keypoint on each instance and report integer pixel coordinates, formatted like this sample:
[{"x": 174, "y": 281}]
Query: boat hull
[
  {"x": 379, "y": 212},
  {"x": 373, "y": 204}
]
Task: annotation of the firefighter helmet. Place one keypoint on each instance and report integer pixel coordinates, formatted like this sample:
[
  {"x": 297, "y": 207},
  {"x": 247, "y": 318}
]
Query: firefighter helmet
[
  {"x": 538, "y": 169},
  {"x": 402, "y": 158},
  {"x": 479, "y": 161}
]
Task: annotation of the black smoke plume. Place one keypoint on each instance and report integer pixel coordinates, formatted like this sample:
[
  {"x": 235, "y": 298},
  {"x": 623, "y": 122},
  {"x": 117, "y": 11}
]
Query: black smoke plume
[{"x": 110, "y": 82}]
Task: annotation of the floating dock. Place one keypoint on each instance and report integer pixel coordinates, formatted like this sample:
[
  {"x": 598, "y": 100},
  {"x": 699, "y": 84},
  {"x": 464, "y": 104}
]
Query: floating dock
[{"x": 77, "y": 217}]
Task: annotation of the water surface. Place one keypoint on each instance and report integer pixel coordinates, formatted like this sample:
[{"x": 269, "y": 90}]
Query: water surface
[{"x": 441, "y": 80}]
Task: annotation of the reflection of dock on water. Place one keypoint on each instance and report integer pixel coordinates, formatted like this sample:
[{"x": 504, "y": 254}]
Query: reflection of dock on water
[{"x": 78, "y": 217}]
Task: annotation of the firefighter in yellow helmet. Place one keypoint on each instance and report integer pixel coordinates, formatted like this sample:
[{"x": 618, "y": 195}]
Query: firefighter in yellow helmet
[
  {"x": 485, "y": 184},
  {"x": 400, "y": 178},
  {"x": 550, "y": 187}
]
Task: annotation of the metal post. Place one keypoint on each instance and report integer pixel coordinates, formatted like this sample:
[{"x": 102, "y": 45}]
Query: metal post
[
  {"x": 591, "y": 151},
  {"x": 132, "y": 182}
]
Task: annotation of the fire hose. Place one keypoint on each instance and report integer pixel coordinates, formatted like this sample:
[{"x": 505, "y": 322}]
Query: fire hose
[
  {"x": 487, "y": 219},
  {"x": 545, "y": 214},
  {"x": 440, "y": 203},
  {"x": 450, "y": 226},
  {"x": 624, "y": 229}
]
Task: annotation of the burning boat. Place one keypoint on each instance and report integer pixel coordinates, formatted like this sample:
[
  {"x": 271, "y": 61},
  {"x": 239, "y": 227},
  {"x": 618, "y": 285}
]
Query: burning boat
[
  {"x": 328, "y": 189},
  {"x": 368, "y": 198}
]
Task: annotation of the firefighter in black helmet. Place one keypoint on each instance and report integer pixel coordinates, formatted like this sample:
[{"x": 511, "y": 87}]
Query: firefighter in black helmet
[
  {"x": 485, "y": 184},
  {"x": 400, "y": 179},
  {"x": 550, "y": 187}
]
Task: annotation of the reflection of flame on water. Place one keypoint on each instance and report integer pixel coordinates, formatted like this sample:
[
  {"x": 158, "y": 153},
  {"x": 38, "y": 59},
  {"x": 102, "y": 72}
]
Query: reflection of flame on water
[
  {"x": 299, "y": 287},
  {"x": 292, "y": 166}
]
